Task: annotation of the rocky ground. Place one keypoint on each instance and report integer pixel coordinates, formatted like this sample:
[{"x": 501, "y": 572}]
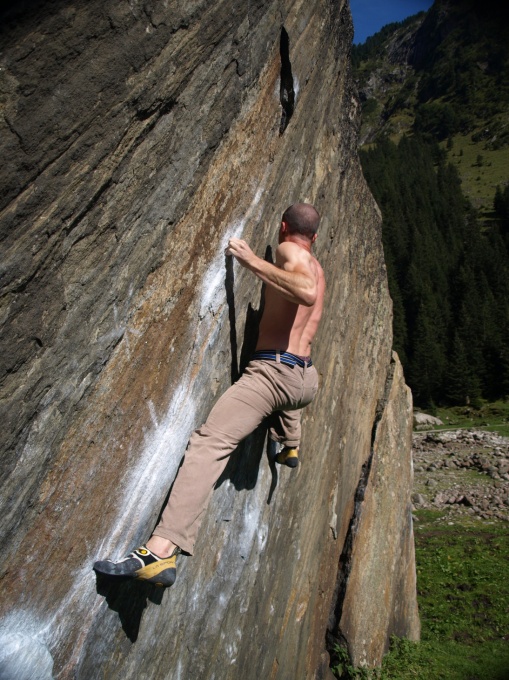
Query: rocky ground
[{"x": 465, "y": 472}]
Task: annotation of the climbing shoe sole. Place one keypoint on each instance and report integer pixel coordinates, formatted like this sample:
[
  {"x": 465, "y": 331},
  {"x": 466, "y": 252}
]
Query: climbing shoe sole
[{"x": 144, "y": 565}]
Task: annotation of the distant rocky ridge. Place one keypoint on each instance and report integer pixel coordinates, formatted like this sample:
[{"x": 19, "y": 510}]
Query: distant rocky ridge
[
  {"x": 381, "y": 83},
  {"x": 136, "y": 139},
  {"x": 442, "y": 73}
]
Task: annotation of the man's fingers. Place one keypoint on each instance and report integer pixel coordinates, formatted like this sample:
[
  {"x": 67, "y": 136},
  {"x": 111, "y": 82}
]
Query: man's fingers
[
  {"x": 233, "y": 246},
  {"x": 229, "y": 248},
  {"x": 240, "y": 251}
]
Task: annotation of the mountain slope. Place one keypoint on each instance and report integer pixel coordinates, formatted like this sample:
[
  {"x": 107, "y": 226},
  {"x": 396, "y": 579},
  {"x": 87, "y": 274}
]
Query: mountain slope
[
  {"x": 444, "y": 73},
  {"x": 435, "y": 153}
]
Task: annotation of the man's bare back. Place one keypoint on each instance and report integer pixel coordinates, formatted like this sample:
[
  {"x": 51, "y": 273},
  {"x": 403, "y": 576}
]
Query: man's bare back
[
  {"x": 294, "y": 294},
  {"x": 286, "y": 325}
]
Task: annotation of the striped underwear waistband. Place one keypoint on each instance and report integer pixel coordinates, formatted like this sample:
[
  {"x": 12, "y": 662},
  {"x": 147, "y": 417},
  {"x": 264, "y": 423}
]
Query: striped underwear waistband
[{"x": 284, "y": 357}]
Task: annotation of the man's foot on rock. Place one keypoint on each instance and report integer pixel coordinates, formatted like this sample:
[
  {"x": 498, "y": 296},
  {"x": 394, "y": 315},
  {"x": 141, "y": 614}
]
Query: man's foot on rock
[
  {"x": 144, "y": 565},
  {"x": 288, "y": 456}
]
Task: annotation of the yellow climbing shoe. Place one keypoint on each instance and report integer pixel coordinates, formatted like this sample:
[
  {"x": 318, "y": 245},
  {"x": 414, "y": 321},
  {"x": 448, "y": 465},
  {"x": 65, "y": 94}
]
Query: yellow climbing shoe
[
  {"x": 144, "y": 565},
  {"x": 288, "y": 456}
]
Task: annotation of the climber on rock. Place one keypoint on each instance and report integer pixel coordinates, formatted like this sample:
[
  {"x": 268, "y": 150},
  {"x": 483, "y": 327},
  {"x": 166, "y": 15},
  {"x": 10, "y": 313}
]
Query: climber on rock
[{"x": 278, "y": 382}]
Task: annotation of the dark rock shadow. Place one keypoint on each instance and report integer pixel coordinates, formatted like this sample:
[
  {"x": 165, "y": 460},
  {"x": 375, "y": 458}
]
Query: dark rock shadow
[
  {"x": 230, "y": 301},
  {"x": 271, "y": 457},
  {"x": 252, "y": 322},
  {"x": 129, "y": 599},
  {"x": 244, "y": 464},
  {"x": 253, "y": 317}
]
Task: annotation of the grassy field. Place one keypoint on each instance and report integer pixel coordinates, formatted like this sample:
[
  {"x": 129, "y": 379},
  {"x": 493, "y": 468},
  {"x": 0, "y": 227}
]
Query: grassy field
[
  {"x": 480, "y": 169},
  {"x": 493, "y": 417},
  {"x": 463, "y": 594}
]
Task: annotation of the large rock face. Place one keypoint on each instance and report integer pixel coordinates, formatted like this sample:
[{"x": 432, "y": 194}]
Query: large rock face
[{"x": 136, "y": 138}]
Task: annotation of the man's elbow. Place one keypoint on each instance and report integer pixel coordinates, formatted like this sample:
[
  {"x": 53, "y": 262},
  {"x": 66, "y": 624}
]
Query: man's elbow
[{"x": 308, "y": 298}]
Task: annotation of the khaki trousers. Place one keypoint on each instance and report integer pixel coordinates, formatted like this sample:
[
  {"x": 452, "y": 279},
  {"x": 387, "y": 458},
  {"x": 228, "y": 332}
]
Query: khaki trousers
[{"x": 265, "y": 388}]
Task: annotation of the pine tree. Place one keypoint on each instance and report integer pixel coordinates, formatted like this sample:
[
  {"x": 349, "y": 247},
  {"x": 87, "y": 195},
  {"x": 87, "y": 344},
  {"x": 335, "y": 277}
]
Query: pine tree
[
  {"x": 462, "y": 386},
  {"x": 501, "y": 207}
]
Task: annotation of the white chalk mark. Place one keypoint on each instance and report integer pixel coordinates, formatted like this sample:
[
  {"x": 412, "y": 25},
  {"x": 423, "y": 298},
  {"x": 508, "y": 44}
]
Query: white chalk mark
[{"x": 26, "y": 636}]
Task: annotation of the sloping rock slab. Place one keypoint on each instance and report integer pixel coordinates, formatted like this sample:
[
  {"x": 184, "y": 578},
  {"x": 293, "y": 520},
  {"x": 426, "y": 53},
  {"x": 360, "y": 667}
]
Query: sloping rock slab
[{"x": 380, "y": 592}]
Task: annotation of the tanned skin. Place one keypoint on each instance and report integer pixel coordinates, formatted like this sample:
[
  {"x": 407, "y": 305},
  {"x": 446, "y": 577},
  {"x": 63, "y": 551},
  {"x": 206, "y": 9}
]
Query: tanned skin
[{"x": 294, "y": 294}]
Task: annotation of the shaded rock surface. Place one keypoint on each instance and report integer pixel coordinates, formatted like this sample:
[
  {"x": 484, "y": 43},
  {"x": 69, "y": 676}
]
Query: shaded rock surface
[{"x": 136, "y": 139}]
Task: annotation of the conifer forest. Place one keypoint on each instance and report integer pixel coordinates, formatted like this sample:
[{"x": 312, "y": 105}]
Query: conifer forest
[{"x": 446, "y": 249}]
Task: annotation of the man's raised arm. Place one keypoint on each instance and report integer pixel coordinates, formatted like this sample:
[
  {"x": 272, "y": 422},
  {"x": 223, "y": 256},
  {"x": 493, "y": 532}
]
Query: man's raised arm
[{"x": 291, "y": 276}]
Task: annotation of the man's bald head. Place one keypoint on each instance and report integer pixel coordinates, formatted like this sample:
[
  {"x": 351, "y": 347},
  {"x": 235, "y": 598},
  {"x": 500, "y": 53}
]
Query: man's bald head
[{"x": 302, "y": 218}]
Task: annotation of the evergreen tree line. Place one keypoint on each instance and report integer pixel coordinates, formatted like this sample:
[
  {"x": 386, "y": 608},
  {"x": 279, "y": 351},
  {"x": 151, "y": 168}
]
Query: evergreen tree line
[{"x": 448, "y": 275}]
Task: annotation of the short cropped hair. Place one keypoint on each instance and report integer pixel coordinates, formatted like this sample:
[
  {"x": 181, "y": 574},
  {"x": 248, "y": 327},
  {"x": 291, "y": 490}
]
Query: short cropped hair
[{"x": 302, "y": 218}]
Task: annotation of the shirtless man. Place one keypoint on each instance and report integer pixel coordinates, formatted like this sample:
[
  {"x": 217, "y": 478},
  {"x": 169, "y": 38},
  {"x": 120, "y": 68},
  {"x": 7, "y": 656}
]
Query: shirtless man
[{"x": 278, "y": 382}]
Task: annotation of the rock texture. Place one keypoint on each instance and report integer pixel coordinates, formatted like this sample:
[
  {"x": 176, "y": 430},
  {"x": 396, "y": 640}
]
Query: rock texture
[
  {"x": 423, "y": 421},
  {"x": 136, "y": 138},
  {"x": 377, "y": 578},
  {"x": 463, "y": 472}
]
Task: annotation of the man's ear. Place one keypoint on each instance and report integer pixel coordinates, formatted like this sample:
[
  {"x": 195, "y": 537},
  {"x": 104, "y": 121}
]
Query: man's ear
[
  {"x": 284, "y": 227},
  {"x": 315, "y": 236}
]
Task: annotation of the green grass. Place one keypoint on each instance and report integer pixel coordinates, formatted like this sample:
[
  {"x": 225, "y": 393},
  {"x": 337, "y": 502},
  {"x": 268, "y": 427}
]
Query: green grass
[
  {"x": 463, "y": 595},
  {"x": 445, "y": 661},
  {"x": 479, "y": 181},
  {"x": 493, "y": 417},
  {"x": 462, "y": 581}
]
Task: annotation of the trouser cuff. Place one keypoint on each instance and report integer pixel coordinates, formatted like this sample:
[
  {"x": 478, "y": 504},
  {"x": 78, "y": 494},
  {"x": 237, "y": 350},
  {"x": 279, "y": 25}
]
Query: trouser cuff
[
  {"x": 291, "y": 443},
  {"x": 184, "y": 545}
]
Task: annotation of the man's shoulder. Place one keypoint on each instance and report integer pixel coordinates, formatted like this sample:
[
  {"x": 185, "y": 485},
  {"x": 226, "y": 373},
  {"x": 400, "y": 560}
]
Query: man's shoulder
[
  {"x": 292, "y": 251},
  {"x": 289, "y": 253},
  {"x": 288, "y": 247},
  {"x": 291, "y": 256}
]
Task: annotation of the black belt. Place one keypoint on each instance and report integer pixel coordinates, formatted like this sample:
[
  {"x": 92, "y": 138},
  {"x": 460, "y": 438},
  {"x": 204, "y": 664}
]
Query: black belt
[{"x": 284, "y": 358}]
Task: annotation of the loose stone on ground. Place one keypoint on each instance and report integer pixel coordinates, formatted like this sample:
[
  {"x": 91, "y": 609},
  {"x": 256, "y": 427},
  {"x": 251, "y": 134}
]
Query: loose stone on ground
[{"x": 464, "y": 472}]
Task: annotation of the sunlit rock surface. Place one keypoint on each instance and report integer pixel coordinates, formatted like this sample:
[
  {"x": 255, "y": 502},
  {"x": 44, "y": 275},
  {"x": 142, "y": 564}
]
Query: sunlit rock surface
[
  {"x": 136, "y": 137},
  {"x": 377, "y": 580}
]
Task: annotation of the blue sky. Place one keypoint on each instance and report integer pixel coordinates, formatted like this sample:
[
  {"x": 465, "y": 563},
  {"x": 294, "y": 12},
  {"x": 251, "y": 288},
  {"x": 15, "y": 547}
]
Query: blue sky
[{"x": 370, "y": 15}]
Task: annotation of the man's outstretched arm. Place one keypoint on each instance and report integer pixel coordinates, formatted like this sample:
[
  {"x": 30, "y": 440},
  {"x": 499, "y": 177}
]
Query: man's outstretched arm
[{"x": 291, "y": 277}]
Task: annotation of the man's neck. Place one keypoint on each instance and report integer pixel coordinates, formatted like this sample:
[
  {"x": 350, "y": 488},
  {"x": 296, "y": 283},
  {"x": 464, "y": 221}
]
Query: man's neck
[{"x": 299, "y": 240}]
